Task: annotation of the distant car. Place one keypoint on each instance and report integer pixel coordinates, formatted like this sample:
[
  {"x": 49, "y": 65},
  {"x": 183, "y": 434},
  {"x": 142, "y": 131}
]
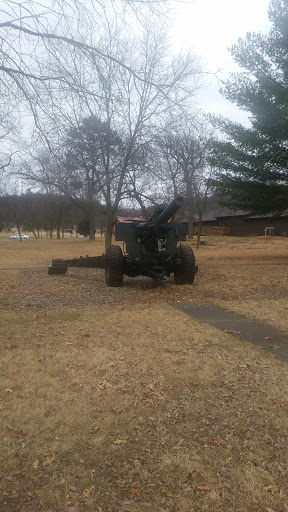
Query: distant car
[{"x": 17, "y": 237}]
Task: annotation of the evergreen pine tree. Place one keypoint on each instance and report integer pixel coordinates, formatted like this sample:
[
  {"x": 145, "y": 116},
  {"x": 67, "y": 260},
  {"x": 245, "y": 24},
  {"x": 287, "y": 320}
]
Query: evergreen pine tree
[
  {"x": 253, "y": 162},
  {"x": 83, "y": 227}
]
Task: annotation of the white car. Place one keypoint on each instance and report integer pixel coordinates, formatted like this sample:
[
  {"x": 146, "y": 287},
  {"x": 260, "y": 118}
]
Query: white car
[{"x": 17, "y": 237}]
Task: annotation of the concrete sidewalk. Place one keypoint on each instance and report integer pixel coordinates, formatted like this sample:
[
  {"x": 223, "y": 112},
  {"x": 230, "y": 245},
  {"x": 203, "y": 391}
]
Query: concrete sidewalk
[{"x": 263, "y": 335}]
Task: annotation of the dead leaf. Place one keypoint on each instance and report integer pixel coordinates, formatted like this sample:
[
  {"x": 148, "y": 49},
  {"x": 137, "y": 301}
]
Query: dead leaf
[
  {"x": 270, "y": 510},
  {"x": 134, "y": 492},
  {"x": 150, "y": 393},
  {"x": 168, "y": 493},
  {"x": 204, "y": 487},
  {"x": 280, "y": 403},
  {"x": 36, "y": 464},
  {"x": 120, "y": 441},
  {"x": 49, "y": 461},
  {"x": 208, "y": 440},
  {"x": 20, "y": 433},
  {"x": 274, "y": 346},
  {"x": 8, "y": 390},
  {"x": 158, "y": 394},
  {"x": 86, "y": 493},
  {"x": 189, "y": 477},
  {"x": 271, "y": 488},
  {"x": 197, "y": 473},
  {"x": 105, "y": 429},
  {"x": 104, "y": 385},
  {"x": 1, "y": 474},
  {"x": 2, "y": 407},
  {"x": 72, "y": 372},
  {"x": 243, "y": 428},
  {"x": 268, "y": 338}
]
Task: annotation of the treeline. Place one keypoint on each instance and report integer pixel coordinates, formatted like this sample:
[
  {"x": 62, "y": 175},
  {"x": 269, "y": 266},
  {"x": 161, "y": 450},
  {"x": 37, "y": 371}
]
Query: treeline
[{"x": 45, "y": 212}]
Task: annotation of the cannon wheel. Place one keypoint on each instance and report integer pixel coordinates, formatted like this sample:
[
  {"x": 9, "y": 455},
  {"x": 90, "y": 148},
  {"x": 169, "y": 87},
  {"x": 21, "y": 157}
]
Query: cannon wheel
[
  {"x": 114, "y": 266},
  {"x": 185, "y": 273}
]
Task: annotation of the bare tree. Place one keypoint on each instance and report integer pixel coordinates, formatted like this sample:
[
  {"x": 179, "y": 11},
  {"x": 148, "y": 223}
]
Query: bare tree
[
  {"x": 133, "y": 105},
  {"x": 202, "y": 188},
  {"x": 9, "y": 128},
  {"x": 92, "y": 156},
  {"x": 181, "y": 152},
  {"x": 32, "y": 31}
]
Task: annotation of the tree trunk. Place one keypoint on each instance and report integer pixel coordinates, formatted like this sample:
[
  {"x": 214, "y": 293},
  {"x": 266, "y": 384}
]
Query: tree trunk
[
  {"x": 190, "y": 211},
  {"x": 190, "y": 228},
  {"x": 199, "y": 233},
  {"x": 19, "y": 231},
  {"x": 59, "y": 221},
  {"x": 91, "y": 218},
  {"x": 109, "y": 228},
  {"x": 190, "y": 222}
]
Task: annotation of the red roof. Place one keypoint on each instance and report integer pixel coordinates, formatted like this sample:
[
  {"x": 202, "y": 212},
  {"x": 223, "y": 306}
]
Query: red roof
[{"x": 129, "y": 220}]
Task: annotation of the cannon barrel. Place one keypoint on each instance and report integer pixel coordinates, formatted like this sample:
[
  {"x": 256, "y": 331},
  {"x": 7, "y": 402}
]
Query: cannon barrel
[{"x": 170, "y": 210}]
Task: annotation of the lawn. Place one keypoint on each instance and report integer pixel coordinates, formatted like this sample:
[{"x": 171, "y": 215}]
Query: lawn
[{"x": 111, "y": 400}]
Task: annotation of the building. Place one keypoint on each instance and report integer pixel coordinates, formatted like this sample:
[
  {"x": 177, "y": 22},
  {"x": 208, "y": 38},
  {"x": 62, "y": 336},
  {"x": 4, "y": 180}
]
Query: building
[{"x": 240, "y": 222}]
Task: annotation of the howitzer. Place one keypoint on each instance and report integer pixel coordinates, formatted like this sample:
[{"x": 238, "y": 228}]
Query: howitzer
[{"x": 150, "y": 250}]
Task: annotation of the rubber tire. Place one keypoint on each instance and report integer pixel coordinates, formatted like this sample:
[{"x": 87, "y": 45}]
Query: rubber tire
[
  {"x": 114, "y": 266},
  {"x": 185, "y": 273}
]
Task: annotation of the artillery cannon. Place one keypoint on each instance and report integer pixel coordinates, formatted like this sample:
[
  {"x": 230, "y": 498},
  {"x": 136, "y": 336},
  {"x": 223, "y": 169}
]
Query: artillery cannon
[{"x": 151, "y": 250}]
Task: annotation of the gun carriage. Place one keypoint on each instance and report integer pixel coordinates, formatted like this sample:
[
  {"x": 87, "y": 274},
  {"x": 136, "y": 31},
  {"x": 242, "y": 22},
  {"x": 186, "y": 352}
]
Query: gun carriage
[{"x": 150, "y": 250}]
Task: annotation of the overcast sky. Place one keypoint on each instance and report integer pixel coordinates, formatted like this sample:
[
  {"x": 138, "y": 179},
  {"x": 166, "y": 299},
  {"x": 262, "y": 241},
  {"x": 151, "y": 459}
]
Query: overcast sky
[{"x": 208, "y": 28}]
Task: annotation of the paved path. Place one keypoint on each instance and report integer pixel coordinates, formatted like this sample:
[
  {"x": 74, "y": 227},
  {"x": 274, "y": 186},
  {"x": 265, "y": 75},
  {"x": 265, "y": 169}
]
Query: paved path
[{"x": 241, "y": 327}]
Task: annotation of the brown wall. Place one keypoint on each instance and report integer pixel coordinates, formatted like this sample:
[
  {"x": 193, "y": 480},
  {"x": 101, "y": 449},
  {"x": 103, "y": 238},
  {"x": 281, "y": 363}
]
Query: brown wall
[
  {"x": 241, "y": 225},
  {"x": 258, "y": 226}
]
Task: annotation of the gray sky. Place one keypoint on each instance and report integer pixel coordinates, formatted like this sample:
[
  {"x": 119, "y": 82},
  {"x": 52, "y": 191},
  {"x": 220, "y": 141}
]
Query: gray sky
[{"x": 208, "y": 28}]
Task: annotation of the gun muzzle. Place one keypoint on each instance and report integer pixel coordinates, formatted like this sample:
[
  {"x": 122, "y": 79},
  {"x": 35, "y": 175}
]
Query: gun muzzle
[{"x": 171, "y": 209}]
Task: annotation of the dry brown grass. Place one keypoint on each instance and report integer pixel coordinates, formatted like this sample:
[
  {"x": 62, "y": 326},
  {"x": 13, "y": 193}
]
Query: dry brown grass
[{"x": 111, "y": 400}]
